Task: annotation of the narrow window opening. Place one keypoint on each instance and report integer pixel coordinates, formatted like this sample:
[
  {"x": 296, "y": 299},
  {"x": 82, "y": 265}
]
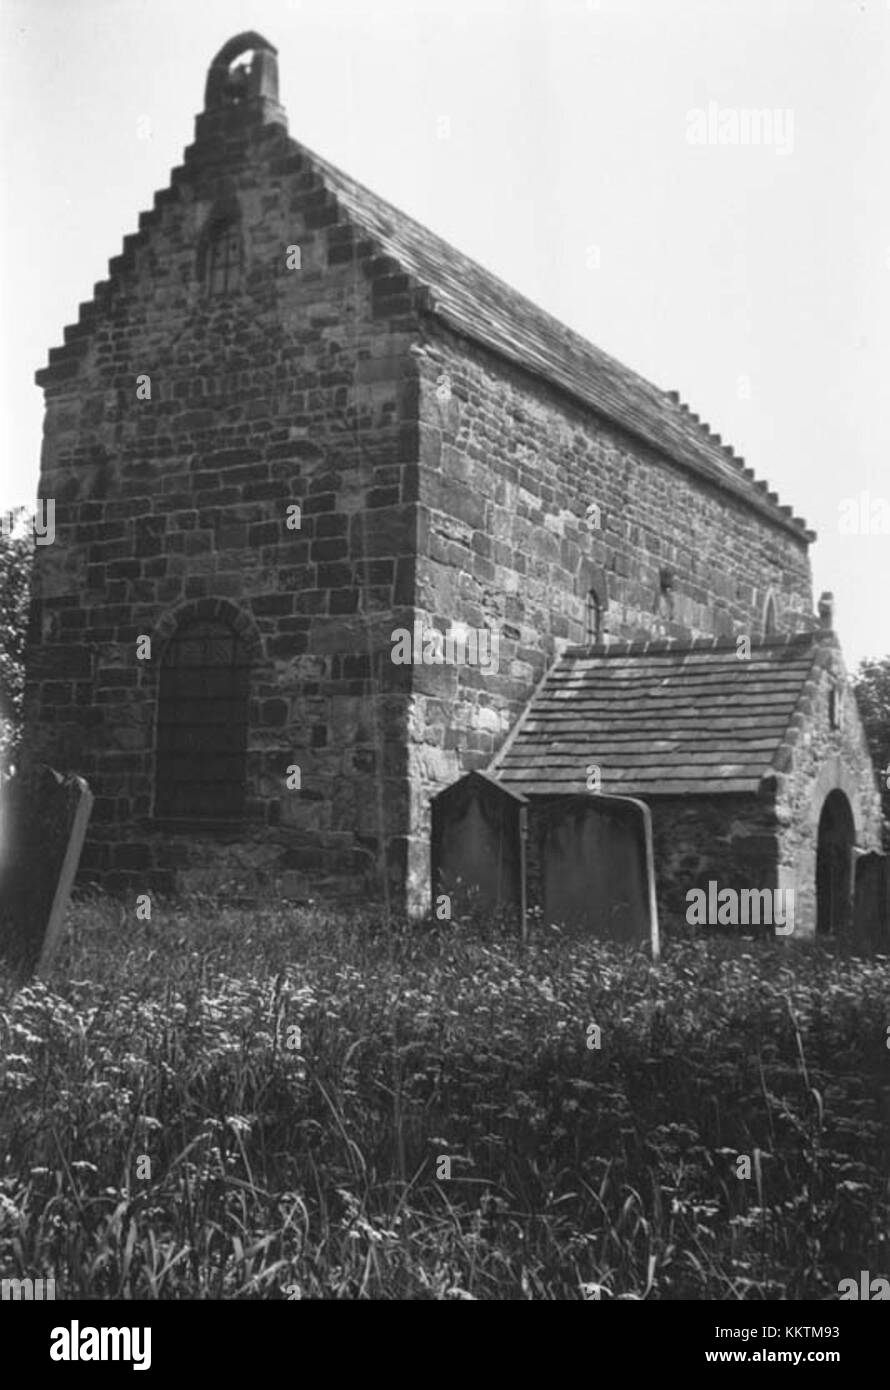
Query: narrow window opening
[
  {"x": 222, "y": 259},
  {"x": 664, "y": 599},
  {"x": 594, "y": 619}
]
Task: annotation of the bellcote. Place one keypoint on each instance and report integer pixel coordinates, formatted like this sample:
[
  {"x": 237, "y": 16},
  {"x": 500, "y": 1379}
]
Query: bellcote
[{"x": 242, "y": 87}]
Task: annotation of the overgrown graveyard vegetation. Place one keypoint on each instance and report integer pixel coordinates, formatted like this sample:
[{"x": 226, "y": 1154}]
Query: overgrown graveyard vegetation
[{"x": 294, "y": 1078}]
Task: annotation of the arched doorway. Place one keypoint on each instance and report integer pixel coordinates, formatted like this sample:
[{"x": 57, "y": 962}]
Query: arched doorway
[{"x": 834, "y": 864}]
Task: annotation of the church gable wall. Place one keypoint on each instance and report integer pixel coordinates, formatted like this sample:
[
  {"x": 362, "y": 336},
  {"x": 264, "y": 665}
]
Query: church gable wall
[{"x": 192, "y": 417}]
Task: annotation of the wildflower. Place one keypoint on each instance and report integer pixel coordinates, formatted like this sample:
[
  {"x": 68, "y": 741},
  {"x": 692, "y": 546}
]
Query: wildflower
[{"x": 9, "y": 1213}]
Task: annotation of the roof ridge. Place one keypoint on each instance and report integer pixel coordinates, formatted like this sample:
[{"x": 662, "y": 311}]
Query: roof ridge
[{"x": 639, "y": 646}]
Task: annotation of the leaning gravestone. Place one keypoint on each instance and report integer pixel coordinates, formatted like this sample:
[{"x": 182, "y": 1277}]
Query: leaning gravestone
[{"x": 43, "y": 821}]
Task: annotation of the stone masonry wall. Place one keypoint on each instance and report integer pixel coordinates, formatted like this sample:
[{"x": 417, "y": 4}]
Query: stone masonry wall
[
  {"x": 508, "y": 467},
  {"x": 295, "y": 390},
  {"x": 820, "y": 759},
  {"x": 730, "y": 839}
]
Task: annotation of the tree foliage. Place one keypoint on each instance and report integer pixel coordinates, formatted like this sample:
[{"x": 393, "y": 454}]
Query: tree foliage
[
  {"x": 871, "y": 684},
  {"x": 16, "y": 561}
]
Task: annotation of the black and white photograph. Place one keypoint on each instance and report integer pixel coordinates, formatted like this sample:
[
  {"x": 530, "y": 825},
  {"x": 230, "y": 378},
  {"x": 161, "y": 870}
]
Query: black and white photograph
[{"x": 444, "y": 674}]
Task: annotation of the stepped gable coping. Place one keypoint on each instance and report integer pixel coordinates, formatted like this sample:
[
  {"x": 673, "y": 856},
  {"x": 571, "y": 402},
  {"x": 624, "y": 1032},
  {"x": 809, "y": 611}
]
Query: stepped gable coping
[{"x": 826, "y": 647}]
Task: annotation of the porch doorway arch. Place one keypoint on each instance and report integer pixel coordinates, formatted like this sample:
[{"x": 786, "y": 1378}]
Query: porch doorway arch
[{"x": 834, "y": 864}]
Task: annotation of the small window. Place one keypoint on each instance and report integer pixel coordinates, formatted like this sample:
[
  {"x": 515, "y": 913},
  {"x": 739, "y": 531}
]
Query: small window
[
  {"x": 201, "y": 757},
  {"x": 769, "y": 617},
  {"x": 664, "y": 599},
  {"x": 836, "y": 707},
  {"x": 594, "y": 619},
  {"x": 222, "y": 265}
]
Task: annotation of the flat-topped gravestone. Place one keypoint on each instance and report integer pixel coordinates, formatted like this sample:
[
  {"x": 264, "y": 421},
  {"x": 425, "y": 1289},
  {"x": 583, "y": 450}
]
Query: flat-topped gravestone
[
  {"x": 43, "y": 821},
  {"x": 595, "y": 867}
]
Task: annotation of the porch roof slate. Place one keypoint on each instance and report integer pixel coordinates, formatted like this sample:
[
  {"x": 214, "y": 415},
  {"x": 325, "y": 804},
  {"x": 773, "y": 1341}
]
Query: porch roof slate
[{"x": 663, "y": 718}]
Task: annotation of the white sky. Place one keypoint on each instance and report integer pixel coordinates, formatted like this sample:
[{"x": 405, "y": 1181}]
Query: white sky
[{"x": 565, "y": 129}]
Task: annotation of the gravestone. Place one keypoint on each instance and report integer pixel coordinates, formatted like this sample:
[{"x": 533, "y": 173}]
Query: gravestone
[
  {"x": 585, "y": 861},
  {"x": 43, "y": 821},
  {"x": 871, "y": 909},
  {"x": 595, "y": 867},
  {"x": 476, "y": 844}
]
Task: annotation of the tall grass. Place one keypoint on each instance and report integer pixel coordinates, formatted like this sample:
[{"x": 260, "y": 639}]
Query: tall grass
[{"x": 160, "y": 1138}]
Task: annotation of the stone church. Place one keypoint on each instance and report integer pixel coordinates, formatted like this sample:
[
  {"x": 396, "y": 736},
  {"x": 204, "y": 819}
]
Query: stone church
[{"x": 292, "y": 423}]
